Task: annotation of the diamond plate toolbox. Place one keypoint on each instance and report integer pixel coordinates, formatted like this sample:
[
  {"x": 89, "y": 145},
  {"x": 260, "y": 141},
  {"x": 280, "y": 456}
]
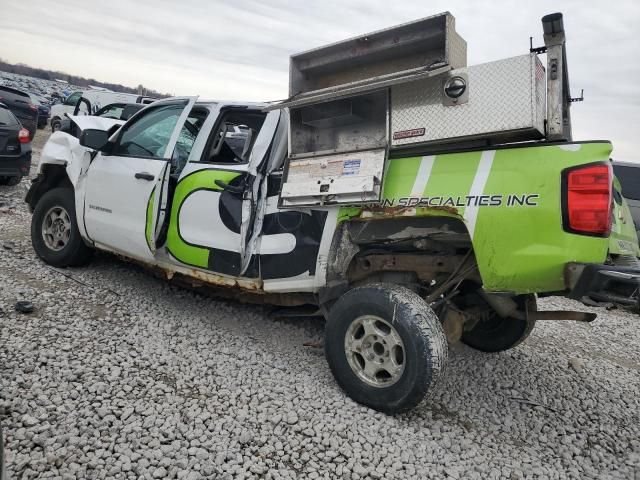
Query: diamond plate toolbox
[{"x": 506, "y": 102}]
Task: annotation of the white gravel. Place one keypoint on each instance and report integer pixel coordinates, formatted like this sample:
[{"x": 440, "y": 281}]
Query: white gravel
[{"x": 134, "y": 378}]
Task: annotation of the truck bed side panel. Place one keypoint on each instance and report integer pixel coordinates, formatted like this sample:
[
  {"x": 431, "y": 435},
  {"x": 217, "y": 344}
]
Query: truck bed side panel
[{"x": 510, "y": 201}]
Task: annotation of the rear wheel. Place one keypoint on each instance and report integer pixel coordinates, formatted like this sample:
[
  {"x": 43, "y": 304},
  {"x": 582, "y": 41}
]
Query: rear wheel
[
  {"x": 55, "y": 124},
  {"x": 496, "y": 334},
  {"x": 10, "y": 181},
  {"x": 54, "y": 230},
  {"x": 385, "y": 346}
]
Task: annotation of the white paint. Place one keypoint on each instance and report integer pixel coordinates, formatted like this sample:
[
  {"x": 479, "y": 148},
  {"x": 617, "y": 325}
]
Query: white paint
[
  {"x": 115, "y": 203},
  {"x": 277, "y": 244},
  {"x": 424, "y": 172},
  {"x": 85, "y": 122},
  {"x": 300, "y": 283},
  {"x": 200, "y": 223},
  {"x": 571, "y": 147},
  {"x": 477, "y": 188}
]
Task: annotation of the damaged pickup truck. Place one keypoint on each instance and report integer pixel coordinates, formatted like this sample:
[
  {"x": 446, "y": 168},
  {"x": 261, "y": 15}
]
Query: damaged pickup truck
[{"x": 411, "y": 198}]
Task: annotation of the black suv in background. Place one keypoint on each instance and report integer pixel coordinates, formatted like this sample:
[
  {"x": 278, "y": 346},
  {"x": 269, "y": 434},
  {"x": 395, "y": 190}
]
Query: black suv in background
[
  {"x": 15, "y": 148},
  {"x": 44, "y": 109},
  {"x": 629, "y": 175},
  {"x": 22, "y": 106}
]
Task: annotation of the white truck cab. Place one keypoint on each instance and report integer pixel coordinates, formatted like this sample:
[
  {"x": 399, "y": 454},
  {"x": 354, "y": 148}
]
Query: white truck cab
[{"x": 191, "y": 181}]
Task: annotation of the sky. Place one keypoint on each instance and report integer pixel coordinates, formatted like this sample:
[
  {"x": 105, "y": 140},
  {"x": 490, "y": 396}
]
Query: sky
[{"x": 240, "y": 50}]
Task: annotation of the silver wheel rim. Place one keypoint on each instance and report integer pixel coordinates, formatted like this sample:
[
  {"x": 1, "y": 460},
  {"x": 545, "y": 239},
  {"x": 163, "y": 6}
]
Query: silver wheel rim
[
  {"x": 375, "y": 351},
  {"x": 56, "y": 228}
]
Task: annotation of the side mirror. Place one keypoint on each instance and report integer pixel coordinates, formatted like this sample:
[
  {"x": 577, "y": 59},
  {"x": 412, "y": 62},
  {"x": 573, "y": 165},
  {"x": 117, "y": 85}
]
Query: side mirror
[{"x": 94, "y": 139}]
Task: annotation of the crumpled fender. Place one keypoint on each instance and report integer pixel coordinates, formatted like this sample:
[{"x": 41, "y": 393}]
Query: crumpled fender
[{"x": 63, "y": 149}]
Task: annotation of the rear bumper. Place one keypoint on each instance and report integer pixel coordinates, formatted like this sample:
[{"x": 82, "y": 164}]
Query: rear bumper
[
  {"x": 13, "y": 166},
  {"x": 603, "y": 283}
]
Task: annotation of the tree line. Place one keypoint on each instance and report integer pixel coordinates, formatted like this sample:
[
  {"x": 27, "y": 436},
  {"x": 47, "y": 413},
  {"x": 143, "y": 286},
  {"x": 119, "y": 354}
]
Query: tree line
[{"x": 22, "y": 69}]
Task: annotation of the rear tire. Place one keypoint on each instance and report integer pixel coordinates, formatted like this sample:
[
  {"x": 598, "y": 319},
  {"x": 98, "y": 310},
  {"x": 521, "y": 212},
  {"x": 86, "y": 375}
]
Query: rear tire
[
  {"x": 54, "y": 230},
  {"x": 385, "y": 346},
  {"x": 55, "y": 125},
  {"x": 497, "y": 334},
  {"x": 10, "y": 181}
]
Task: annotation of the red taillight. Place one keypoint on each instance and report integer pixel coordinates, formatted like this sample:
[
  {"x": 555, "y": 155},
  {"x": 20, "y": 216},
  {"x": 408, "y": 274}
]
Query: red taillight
[
  {"x": 588, "y": 200},
  {"x": 32, "y": 106},
  {"x": 23, "y": 135}
]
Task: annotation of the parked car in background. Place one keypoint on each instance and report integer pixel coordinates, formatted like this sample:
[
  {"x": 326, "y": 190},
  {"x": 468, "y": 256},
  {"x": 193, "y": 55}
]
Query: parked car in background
[
  {"x": 115, "y": 111},
  {"x": 44, "y": 109},
  {"x": 628, "y": 174},
  {"x": 119, "y": 111},
  {"x": 22, "y": 106},
  {"x": 97, "y": 100},
  {"x": 15, "y": 148}
]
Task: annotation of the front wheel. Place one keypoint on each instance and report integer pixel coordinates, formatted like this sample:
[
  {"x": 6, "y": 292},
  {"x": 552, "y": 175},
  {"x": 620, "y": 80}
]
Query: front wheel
[
  {"x": 55, "y": 124},
  {"x": 54, "y": 230},
  {"x": 385, "y": 346}
]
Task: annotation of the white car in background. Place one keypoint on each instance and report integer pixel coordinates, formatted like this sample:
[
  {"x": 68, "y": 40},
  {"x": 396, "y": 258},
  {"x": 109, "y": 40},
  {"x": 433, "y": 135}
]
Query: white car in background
[{"x": 96, "y": 100}]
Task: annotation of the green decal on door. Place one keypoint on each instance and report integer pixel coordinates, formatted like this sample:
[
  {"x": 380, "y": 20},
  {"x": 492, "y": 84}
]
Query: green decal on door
[{"x": 187, "y": 253}]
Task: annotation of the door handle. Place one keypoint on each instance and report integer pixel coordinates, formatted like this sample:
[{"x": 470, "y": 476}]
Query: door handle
[{"x": 145, "y": 176}]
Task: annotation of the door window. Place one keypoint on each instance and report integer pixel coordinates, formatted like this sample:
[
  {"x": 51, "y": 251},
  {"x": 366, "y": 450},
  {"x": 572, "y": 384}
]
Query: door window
[
  {"x": 233, "y": 139},
  {"x": 149, "y": 135},
  {"x": 187, "y": 138}
]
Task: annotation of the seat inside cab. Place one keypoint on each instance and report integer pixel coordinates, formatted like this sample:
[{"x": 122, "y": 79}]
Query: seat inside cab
[{"x": 232, "y": 140}]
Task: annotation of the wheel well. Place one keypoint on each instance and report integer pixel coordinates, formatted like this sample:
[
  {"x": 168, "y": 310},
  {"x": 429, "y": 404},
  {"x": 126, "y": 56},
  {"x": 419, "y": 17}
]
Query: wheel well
[
  {"x": 420, "y": 253},
  {"x": 52, "y": 176}
]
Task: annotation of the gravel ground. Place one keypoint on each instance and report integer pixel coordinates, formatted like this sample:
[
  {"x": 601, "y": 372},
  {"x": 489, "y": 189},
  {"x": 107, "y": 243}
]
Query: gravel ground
[{"x": 119, "y": 375}]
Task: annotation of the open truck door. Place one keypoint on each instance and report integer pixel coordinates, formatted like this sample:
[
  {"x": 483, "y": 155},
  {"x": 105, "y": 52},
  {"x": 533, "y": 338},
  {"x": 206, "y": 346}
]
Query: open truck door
[
  {"x": 215, "y": 198},
  {"x": 127, "y": 181}
]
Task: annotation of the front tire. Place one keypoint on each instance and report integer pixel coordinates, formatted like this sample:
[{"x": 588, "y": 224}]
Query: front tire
[
  {"x": 54, "y": 230},
  {"x": 385, "y": 346},
  {"x": 497, "y": 334},
  {"x": 56, "y": 123}
]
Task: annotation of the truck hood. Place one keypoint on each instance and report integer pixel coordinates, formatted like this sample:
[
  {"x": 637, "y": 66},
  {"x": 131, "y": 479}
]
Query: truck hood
[{"x": 89, "y": 121}]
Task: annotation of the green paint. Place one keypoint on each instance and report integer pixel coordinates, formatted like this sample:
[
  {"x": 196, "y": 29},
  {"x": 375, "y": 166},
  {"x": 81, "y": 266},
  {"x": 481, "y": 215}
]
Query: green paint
[
  {"x": 399, "y": 177},
  {"x": 148, "y": 231},
  {"x": 521, "y": 249},
  {"x": 200, "y": 180},
  {"x": 525, "y": 249}
]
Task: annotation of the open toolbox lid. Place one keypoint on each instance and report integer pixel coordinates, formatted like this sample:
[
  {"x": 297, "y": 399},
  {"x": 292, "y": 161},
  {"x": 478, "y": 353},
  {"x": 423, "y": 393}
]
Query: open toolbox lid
[
  {"x": 342, "y": 178},
  {"x": 406, "y": 52}
]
